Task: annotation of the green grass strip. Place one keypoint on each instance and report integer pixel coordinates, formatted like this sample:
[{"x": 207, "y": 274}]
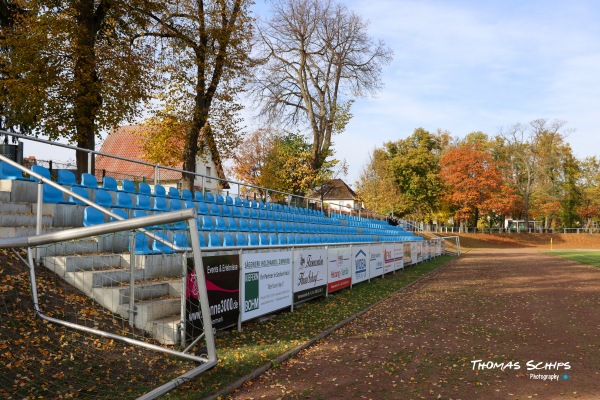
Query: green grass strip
[
  {"x": 589, "y": 257},
  {"x": 260, "y": 343}
]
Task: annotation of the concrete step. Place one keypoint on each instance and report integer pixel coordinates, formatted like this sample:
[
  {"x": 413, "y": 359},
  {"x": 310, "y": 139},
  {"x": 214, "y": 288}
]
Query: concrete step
[
  {"x": 152, "y": 310},
  {"x": 14, "y": 219},
  {"x": 81, "y": 248},
  {"x": 68, "y": 263},
  {"x": 4, "y": 197},
  {"x": 10, "y": 207},
  {"x": 165, "y": 330},
  {"x": 23, "y": 231}
]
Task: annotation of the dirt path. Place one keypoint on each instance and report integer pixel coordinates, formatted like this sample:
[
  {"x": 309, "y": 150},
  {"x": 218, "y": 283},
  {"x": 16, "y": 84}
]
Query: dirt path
[{"x": 511, "y": 307}]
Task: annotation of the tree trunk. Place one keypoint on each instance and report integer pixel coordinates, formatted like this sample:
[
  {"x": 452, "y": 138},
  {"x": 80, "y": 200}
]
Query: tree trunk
[{"x": 88, "y": 98}]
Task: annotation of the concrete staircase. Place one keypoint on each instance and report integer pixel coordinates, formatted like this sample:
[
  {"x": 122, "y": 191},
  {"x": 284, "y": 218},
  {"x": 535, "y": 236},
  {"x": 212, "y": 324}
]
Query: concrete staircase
[{"x": 100, "y": 266}]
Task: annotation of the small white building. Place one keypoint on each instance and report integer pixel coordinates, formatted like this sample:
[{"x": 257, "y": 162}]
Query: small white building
[
  {"x": 338, "y": 195},
  {"x": 127, "y": 142}
]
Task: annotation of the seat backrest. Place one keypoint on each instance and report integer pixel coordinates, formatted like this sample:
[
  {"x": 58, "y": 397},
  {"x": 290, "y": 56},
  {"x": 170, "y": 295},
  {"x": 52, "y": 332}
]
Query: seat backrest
[
  {"x": 109, "y": 183},
  {"x": 7, "y": 171},
  {"x": 175, "y": 205},
  {"x": 228, "y": 200},
  {"x": 120, "y": 212},
  {"x": 186, "y": 194},
  {"x": 219, "y": 199},
  {"x": 198, "y": 196},
  {"x": 209, "y": 198},
  {"x": 241, "y": 239},
  {"x": 160, "y": 204},
  {"x": 103, "y": 198},
  {"x": 232, "y": 224},
  {"x": 143, "y": 188},
  {"x": 202, "y": 208},
  {"x": 263, "y": 239},
  {"x": 78, "y": 190},
  {"x": 180, "y": 239},
  {"x": 228, "y": 240},
  {"x": 174, "y": 193},
  {"x": 89, "y": 181},
  {"x": 51, "y": 195},
  {"x": 273, "y": 239},
  {"x": 66, "y": 178},
  {"x": 214, "y": 240},
  {"x": 142, "y": 202},
  {"x": 161, "y": 247},
  {"x": 220, "y": 224},
  {"x": 43, "y": 171},
  {"x": 214, "y": 209},
  {"x": 160, "y": 191},
  {"x": 244, "y": 225},
  {"x": 252, "y": 239},
  {"x": 124, "y": 200},
  {"x": 207, "y": 223},
  {"x": 91, "y": 216}
]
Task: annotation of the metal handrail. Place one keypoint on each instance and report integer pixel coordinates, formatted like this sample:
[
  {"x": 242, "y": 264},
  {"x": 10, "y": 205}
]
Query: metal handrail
[{"x": 80, "y": 198}]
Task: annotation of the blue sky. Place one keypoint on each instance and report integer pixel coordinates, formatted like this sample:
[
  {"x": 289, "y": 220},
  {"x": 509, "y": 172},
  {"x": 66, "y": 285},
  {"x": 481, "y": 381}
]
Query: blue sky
[{"x": 467, "y": 66}]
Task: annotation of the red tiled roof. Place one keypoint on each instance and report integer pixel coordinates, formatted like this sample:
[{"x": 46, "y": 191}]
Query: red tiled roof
[{"x": 127, "y": 142}]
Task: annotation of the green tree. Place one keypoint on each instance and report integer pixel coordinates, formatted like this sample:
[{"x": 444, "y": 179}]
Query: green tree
[
  {"x": 376, "y": 186},
  {"x": 72, "y": 69},
  {"x": 317, "y": 57},
  {"x": 204, "y": 46}
]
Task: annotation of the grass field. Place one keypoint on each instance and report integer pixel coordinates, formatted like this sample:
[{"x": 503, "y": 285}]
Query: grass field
[{"x": 590, "y": 257}]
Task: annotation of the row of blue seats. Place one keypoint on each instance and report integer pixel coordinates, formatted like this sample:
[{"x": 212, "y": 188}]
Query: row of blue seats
[
  {"x": 89, "y": 181},
  {"x": 180, "y": 239},
  {"x": 92, "y": 216}
]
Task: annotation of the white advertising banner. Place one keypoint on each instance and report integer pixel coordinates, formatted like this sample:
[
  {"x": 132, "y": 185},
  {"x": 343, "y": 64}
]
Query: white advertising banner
[
  {"x": 407, "y": 256},
  {"x": 393, "y": 257},
  {"x": 339, "y": 269},
  {"x": 310, "y": 274},
  {"x": 415, "y": 251},
  {"x": 438, "y": 247},
  {"x": 375, "y": 260},
  {"x": 360, "y": 264},
  {"x": 266, "y": 283}
]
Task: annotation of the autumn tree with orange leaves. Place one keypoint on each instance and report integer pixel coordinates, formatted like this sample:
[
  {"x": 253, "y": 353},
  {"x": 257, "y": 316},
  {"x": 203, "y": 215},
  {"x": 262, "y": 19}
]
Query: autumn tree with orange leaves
[{"x": 475, "y": 184}]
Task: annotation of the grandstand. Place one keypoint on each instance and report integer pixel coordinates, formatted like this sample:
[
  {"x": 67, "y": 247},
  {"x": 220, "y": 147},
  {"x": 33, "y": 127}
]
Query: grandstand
[{"x": 141, "y": 272}]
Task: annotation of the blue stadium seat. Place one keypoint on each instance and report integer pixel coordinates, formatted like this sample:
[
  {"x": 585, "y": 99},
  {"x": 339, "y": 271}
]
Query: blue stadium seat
[
  {"x": 143, "y": 188},
  {"x": 198, "y": 196},
  {"x": 103, "y": 198},
  {"x": 244, "y": 227},
  {"x": 209, "y": 198},
  {"x": 226, "y": 211},
  {"x": 109, "y": 183},
  {"x": 52, "y": 195},
  {"x": 228, "y": 200},
  {"x": 201, "y": 240},
  {"x": 160, "y": 204},
  {"x": 238, "y": 202},
  {"x": 142, "y": 246},
  {"x": 78, "y": 190},
  {"x": 175, "y": 205},
  {"x": 263, "y": 239},
  {"x": 273, "y": 239},
  {"x": 213, "y": 209},
  {"x": 235, "y": 212},
  {"x": 262, "y": 226},
  {"x": 254, "y": 213},
  {"x": 254, "y": 225},
  {"x": 142, "y": 202},
  {"x": 279, "y": 226},
  {"x": 241, "y": 239},
  {"x": 173, "y": 193},
  {"x": 271, "y": 226},
  {"x": 219, "y": 199},
  {"x": 282, "y": 238},
  {"x": 262, "y": 214},
  {"x": 159, "y": 191},
  {"x": 291, "y": 239},
  {"x": 129, "y": 187},
  {"x": 207, "y": 223},
  {"x": 214, "y": 240},
  {"x": 123, "y": 200},
  {"x": 180, "y": 239},
  {"x": 189, "y": 204},
  {"x": 228, "y": 239},
  {"x": 202, "y": 208},
  {"x": 159, "y": 247},
  {"x": 245, "y": 203},
  {"x": 245, "y": 212},
  {"x": 91, "y": 216},
  {"x": 186, "y": 195},
  {"x": 120, "y": 212},
  {"x": 66, "y": 178},
  {"x": 89, "y": 181},
  {"x": 232, "y": 224},
  {"x": 43, "y": 171},
  {"x": 7, "y": 171},
  {"x": 252, "y": 239},
  {"x": 220, "y": 224}
]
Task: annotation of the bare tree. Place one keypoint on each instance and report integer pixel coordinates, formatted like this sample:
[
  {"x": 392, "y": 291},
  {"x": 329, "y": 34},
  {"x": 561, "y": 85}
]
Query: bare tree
[{"x": 317, "y": 56}]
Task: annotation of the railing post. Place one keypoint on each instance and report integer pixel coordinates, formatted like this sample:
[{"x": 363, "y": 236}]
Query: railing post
[
  {"x": 90, "y": 163},
  {"x": 156, "y": 175},
  {"x": 132, "y": 281}
]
